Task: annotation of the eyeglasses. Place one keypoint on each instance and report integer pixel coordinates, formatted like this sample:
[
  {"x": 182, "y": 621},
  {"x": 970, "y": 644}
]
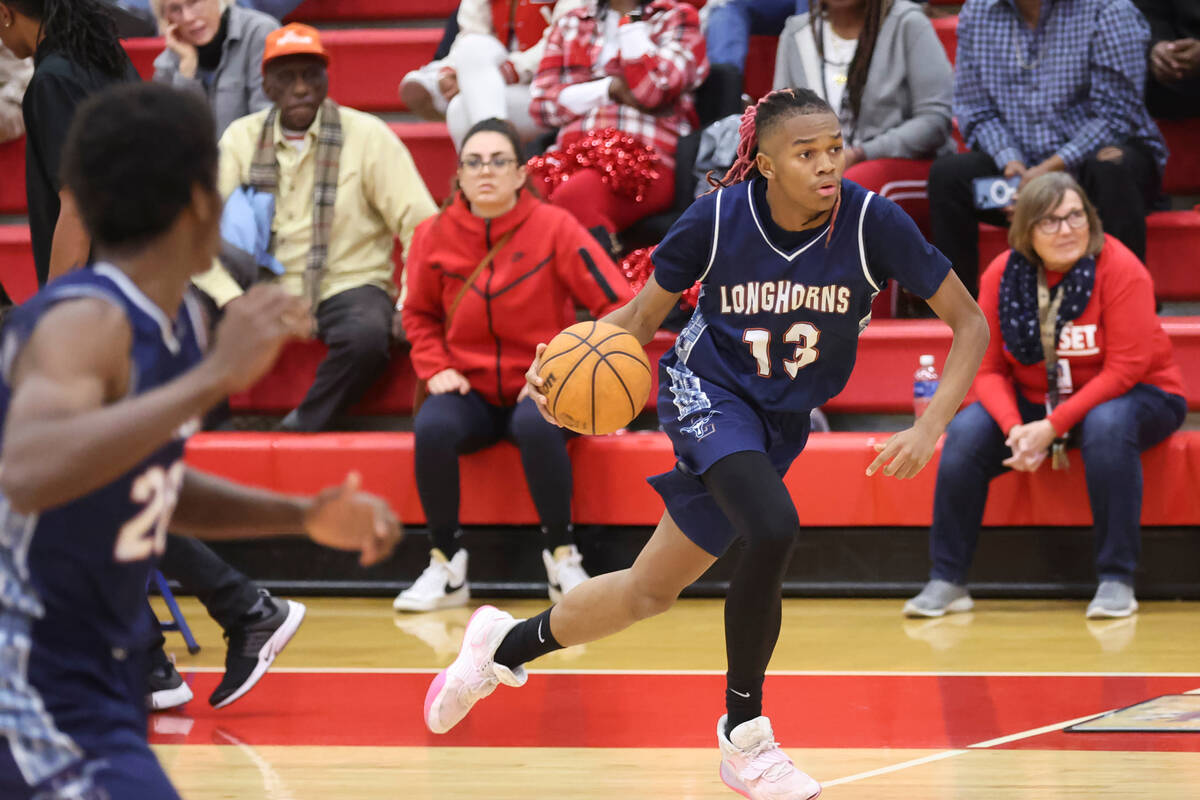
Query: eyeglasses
[
  {"x": 1075, "y": 220},
  {"x": 475, "y": 164}
]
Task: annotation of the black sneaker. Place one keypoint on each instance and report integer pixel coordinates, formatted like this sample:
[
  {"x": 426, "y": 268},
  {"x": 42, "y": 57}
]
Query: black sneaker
[
  {"x": 253, "y": 646},
  {"x": 164, "y": 685}
]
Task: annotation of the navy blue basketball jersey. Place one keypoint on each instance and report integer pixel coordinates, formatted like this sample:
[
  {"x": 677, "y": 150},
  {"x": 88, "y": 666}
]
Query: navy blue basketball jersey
[
  {"x": 73, "y": 578},
  {"x": 779, "y": 326}
]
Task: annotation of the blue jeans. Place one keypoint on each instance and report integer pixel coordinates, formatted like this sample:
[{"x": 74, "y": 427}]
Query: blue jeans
[
  {"x": 1111, "y": 438},
  {"x": 731, "y": 24}
]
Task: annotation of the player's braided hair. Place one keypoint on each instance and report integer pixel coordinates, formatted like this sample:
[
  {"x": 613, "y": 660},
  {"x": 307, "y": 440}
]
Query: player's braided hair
[
  {"x": 860, "y": 65},
  {"x": 81, "y": 30},
  {"x": 757, "y": 120},
  {"x": 772, "y": 109}
]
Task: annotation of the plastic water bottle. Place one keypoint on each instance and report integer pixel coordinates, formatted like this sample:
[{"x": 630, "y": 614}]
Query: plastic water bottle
[{"x": 925, "y": 383}]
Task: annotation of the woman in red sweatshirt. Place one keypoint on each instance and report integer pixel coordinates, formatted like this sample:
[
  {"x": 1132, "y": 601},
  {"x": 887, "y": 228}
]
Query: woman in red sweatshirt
[
  {"x": 473, "y": 331},
  {"x": 1118, "y": 390}
]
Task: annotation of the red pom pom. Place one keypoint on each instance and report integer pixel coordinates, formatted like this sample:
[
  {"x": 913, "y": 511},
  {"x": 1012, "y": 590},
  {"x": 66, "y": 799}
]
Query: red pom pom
[
  {"x": 627, "y": 165},
  {"x": 637, "y": 269}
]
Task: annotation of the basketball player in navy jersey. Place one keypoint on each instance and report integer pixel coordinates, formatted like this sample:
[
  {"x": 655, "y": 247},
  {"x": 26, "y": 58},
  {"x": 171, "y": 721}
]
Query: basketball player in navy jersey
[
  {"x": 789, "y": 256},
  {"x": 104, "y": 376}
]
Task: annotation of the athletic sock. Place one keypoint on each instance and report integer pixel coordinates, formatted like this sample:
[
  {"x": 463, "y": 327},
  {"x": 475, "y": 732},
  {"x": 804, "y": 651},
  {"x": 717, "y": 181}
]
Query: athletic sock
[
  {"x": 743, "y": 701},
  {"x": 446, "y": 541},
  {"x": 556, "y": 536},
  {"x": 528, "y": 639}
]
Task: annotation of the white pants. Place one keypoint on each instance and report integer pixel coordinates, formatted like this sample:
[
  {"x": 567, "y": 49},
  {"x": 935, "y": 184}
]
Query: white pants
[{"x": 482, "y": 92}]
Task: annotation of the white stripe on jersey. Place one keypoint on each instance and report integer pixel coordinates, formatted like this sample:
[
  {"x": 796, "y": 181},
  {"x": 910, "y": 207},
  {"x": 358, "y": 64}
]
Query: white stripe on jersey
[
  {"x": 862, "y": 250},
  {"x": 139, "y": 299},
  {"x": 712, "y": 257},
  {"x": 786, "y": 256}
]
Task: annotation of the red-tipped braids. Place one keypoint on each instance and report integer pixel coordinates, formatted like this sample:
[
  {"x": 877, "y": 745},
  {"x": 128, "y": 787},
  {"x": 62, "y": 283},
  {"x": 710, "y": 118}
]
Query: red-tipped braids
[{"x": 757, "y": 120}]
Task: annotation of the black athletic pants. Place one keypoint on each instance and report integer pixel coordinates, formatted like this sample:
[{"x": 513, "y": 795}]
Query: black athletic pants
[
  {"x": 752, "y": 496},
  {"x": 450, "y": 425},
  {"x": 225, "y": 593}
]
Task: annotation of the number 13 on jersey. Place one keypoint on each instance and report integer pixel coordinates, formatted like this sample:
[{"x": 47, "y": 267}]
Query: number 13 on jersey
[
  {"x": 803, "y": 334},
  {"x": 146, "y": 533}
]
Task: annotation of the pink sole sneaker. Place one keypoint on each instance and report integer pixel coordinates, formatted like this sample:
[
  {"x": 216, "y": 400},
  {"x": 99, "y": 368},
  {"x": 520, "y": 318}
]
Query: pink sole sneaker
[
  {"x": 473, "y": 675},
  {"x": 736, "y": 785},
  {"x": 439, "y": 682}
]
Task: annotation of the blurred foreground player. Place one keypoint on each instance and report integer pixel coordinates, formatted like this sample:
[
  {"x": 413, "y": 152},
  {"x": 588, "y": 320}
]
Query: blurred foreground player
[{"x": 104, "y": 376}]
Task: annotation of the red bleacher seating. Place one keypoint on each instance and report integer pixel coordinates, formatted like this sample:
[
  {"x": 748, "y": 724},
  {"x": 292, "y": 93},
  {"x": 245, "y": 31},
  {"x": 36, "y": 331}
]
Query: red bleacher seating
[
  {"x": 881, "y": 382},
  {"x": 12, "y": 167},
  {"x": 16, "y": 263},
  {"x": 431, "y": 148},
  {"x": 316, "y": 11},
  {"x": 1182, "y": 175},
  {"x": 946, "y": 29},
  {"x": 760, "y": 65},
  {"x": 283, "y": 388},
  {"x": 827, "y": 481},
  {"x": 365, "y": 65}
]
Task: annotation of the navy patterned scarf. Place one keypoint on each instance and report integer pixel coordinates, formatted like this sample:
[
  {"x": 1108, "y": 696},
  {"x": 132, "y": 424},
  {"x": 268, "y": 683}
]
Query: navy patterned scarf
[{"x": 1019, "y": 305}]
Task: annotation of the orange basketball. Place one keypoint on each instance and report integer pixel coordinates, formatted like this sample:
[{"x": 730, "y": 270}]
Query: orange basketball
[{"x": 597, "y": 377}]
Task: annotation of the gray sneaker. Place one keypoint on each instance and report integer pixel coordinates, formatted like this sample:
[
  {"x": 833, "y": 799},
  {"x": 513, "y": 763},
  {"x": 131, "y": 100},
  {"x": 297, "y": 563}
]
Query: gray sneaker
[
  {"x": 939, "y": 598},
  {"x": 1113, "y": 600}
]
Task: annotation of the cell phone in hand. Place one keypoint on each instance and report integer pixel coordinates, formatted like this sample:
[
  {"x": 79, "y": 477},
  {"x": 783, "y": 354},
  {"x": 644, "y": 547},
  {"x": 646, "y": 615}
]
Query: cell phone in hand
[{"x": 997, "y": 192}]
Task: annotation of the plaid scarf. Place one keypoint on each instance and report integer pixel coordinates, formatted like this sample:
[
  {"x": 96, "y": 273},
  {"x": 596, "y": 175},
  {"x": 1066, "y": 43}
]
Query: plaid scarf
[
  {"x": 1019, "y": 324},
  {"x": 264, "y": 176}
]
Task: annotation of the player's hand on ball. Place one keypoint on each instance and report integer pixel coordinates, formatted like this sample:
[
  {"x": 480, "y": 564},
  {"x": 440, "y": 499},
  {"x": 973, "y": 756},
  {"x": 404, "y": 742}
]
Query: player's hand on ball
[
  {"x": 448, "y": 381},
  {"x": 254, "y": 329},
  {"x": 345, "y": 518},
  {"x": 906, "y": 453},
  {"x": 533, "y": 387}
]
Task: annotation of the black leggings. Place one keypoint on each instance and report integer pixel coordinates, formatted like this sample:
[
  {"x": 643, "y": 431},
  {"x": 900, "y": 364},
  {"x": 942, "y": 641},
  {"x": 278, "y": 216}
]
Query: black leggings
[
  {"x": 751, "y": 494},
  {"x": 449, "y": 425}
]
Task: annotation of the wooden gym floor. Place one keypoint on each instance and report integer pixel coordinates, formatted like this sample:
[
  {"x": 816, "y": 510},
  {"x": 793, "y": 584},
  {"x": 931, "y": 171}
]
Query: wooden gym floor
[{"x": 874, "y": 706}]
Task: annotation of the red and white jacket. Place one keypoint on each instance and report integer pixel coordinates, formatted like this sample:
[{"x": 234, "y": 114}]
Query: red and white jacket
[
  {"x": 663, "y": 64},
  {"x": 1115, "y": 343},
  {"x": 524, "y": 297}
]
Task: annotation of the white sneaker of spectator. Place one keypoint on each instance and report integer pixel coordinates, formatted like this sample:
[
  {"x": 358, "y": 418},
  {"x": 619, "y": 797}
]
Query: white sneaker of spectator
[
  {"x": 443, "y": 584},
  {"x": 564, "y": 570}
]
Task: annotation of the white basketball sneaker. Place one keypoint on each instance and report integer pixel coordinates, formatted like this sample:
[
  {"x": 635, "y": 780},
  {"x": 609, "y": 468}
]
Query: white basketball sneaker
[
  {"x": 753, "y": 765},
  {"x": 474, "y": 674},
  {"x": 443, "y": 584},
  {"x": 564, "y": 570}
]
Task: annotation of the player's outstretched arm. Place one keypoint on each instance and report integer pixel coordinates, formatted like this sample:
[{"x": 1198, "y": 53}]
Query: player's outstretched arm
[
  {"x": 342, "y": 517},
  {"x": 70, "y": 429},
  {"x": 907, "y": 453}
]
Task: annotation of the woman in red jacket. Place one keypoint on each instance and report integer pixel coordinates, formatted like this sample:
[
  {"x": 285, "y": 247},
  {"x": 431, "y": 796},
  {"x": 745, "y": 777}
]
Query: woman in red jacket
[
  {"x": 1118, "y": 390},
  {"x": 472, "y": 329}
]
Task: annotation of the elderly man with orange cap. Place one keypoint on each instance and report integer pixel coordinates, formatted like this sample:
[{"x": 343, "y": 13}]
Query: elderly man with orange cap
[{"x": 344, "y": 187}]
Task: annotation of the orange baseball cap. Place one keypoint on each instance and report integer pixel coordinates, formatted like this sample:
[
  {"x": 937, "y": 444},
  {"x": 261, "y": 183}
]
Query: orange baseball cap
[{"x": 294, "y": 39}]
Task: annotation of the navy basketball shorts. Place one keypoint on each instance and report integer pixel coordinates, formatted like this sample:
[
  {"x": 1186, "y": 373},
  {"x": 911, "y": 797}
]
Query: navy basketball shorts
[
  {"x": 126, "y": 771},
  {"x": 76, "y": 731},
  {"x": 705, "y": 424}
]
